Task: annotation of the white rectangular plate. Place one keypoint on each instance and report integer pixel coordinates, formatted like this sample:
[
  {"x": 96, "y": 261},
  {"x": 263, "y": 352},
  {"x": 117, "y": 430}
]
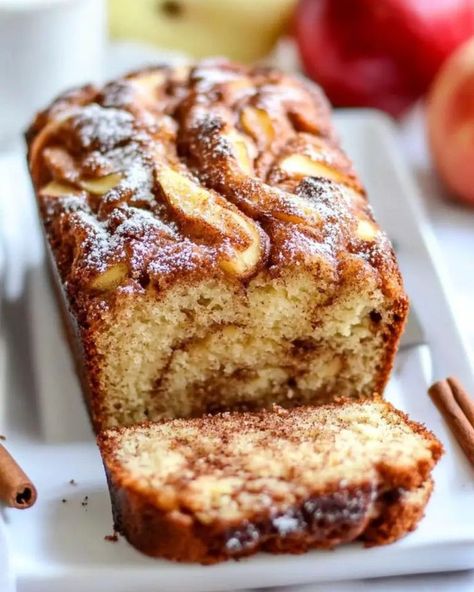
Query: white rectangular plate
[{"x": 60, "y": 546}]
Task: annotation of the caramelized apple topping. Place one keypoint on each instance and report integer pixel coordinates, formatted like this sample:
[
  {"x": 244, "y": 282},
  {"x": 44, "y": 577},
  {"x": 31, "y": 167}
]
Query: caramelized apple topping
[
  {"x": 300, "y": 165},
  {"x": 244, "y": 151},
  {"x": 110, "y": 278},
  {"x": 148, "y": 81},
  {"x": 243, "y": 263},
  {"x": 58, "y": 189},
  {"x": 258, "y": 124},
  {"x": 366, "y": 230},
  {"x": 46, "y": 135},
  {"x": 202, "y": 210},
  {"x": 101, "y": 185},
  {"x": 61, "y": 164}
]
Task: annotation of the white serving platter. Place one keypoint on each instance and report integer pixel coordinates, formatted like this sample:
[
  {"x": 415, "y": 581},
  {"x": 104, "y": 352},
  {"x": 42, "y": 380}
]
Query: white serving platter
[{"x": 58, "y": 546}]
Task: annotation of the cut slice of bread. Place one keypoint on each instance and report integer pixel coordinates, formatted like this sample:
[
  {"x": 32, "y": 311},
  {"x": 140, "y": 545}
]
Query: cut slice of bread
[{"x": 229, "y": 485}]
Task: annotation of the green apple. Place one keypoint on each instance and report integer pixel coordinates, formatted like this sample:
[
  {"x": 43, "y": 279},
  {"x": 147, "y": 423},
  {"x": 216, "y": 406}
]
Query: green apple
[{"x": 244, "y": 30}]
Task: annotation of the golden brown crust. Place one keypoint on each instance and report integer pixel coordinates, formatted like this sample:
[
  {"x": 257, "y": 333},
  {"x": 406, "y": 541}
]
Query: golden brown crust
[
  {"x": 273, "y": 193},
  {"x": 401, "y": 512},
  {"x": 324, "y": 523},
  {"x": 192, "y": 122},
  {"x": 378, "y": 509}
]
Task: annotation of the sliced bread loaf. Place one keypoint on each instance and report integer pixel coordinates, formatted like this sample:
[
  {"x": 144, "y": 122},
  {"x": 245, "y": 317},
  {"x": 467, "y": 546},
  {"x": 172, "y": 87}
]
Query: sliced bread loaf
[{"x": 228, "y": 485}]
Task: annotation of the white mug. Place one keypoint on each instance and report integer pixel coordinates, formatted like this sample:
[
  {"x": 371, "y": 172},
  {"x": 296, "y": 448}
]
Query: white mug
[{"x": 46, "y": 46}]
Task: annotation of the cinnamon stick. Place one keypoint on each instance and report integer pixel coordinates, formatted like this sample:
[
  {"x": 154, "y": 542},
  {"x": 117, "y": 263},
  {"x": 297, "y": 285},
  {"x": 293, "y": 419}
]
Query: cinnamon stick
[
  {"x": 443, "y": 396},
  {"x": 462, "y": 398},
  {"x": 16, "y": 490}
]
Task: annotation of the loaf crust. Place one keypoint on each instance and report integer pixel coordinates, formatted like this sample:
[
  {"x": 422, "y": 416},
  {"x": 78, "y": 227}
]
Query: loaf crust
[
  {"x": 379, "y": 505},
  {"x": 213, "y": 245}
]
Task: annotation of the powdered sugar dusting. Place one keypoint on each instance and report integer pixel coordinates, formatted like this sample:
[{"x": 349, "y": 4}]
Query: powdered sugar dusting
[
  {"x": 136, "y": 186},
  {"x": 184, "y": 256},
  {"x": 117, "y": 94},
  {"x": 101, "y": 128},
  {"x": 307, "y": 220},
  {"x": 96, "y": 249},
  {"x": 210, "y": 75},
  {"x": 140, "y": 222},
  {"x": 286, "y": 524}
]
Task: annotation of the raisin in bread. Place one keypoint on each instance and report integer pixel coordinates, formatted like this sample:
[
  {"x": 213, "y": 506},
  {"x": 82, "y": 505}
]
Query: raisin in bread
[
  {"x": 231, "y": 484},
  {"x": 212, "y": 245}
]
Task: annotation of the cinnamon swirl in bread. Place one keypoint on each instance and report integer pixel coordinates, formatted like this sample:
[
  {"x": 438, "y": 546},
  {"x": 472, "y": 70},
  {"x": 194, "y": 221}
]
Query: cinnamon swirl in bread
[
  {"x": 229, "y": 485},
  {"x": 213, "y": 245}
]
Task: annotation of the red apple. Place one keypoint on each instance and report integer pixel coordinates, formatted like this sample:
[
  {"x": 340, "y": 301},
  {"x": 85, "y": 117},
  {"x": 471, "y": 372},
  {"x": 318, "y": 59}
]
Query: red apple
[
  {"x": 379, "y": 53},
  {"x": 450, "y": 122}
]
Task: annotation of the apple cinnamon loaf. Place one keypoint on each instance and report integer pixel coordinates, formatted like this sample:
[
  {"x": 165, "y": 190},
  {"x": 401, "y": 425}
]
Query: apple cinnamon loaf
[
  {"x": 213, "y": 245},
  {"x": 225, "y": 486}
]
